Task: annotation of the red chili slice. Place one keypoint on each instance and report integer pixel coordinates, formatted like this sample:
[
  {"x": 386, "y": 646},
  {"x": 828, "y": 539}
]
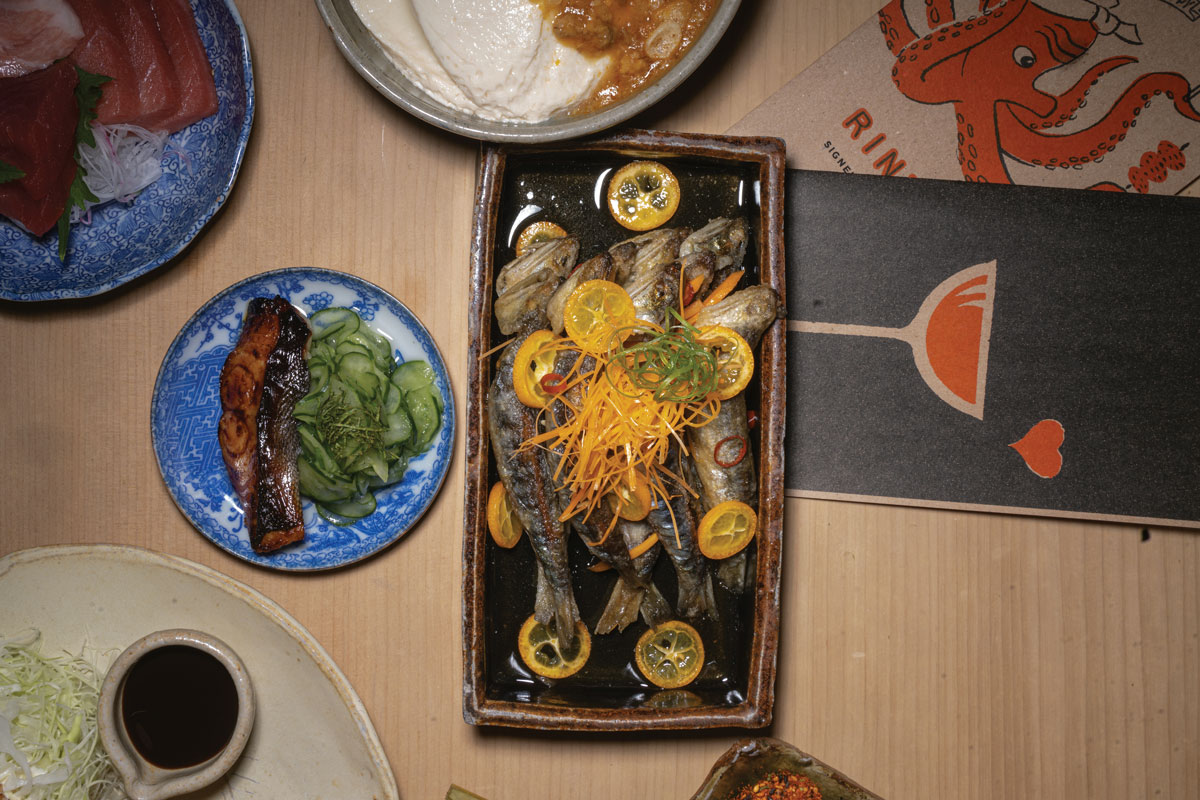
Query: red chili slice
[
  {"x": 752, "y": 419},
  {"x": 688, "y": 294},
  {"x": 741, "y": 451},
  {"x": 553, "y": 383}
]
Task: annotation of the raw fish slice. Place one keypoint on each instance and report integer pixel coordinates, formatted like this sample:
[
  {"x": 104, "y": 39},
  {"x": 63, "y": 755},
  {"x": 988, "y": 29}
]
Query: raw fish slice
[
  {"x": 34, "y": 34},
  {"x": 103, "y": 52},
  {"x": 37, "y": 214},
  {"x": 197, "y": 91},
  {"x": 38, "y": 115},
  {"x": 158, "y": 88}
]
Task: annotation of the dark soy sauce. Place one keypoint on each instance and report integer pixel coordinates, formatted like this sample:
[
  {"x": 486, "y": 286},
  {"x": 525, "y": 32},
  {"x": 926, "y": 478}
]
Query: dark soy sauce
[{"x": 180, "y": 706}]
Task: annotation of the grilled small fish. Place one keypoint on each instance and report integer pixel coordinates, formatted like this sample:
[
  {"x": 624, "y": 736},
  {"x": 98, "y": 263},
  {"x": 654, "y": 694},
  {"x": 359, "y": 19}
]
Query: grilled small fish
[
  {"x": 261, "y": 381},
  {"x": 525, "y": 285},
  {"x": 527, "y": 475},
  {"x": 748, "y": 311},
  {"x": 725, "y": 239},
  {"x": 675, "y": 524},
  {"x": 647, "y": 253}
]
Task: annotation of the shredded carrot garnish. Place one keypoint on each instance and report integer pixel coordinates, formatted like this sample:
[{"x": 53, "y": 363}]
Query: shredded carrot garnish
[
  {"x": 718, "y": 294},
  {"x": 609, "y": 429},
  {"x": 646, "y": 544}
]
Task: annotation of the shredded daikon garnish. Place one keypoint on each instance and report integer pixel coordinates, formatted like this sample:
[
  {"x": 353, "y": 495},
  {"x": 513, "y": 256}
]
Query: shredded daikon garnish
[
  {"x": 125, "y": 160},
  {"x": 49, "y": 743}
]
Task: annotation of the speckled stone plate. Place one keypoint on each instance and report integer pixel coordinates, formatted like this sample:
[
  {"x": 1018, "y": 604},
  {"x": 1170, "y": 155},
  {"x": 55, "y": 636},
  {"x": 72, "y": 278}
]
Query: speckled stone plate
[
  {"x": 200, "y": 165},
  {"x": 312, "y": 737},
  {"x": 186, "y": 408},
  {"x": 752, "y": 761}
]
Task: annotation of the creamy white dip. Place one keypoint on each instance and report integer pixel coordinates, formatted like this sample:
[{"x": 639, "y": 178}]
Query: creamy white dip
[{"x": 497, "y": 59}]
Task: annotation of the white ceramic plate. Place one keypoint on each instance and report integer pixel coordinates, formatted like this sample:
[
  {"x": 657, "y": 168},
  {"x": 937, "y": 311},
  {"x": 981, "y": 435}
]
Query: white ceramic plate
[{"x": 312, "y": 737}]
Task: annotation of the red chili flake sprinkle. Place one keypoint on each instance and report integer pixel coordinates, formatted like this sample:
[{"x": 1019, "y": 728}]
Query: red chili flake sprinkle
[
  {"x": 781, "y": 785},
  {"x": 553, "y": 383},
  {"x": 752, "y": 419},
  {"x": 740, "y": 455}
]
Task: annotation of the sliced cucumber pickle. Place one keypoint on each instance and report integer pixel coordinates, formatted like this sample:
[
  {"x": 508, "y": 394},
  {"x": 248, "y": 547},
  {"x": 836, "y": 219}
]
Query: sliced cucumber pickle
[{"x": 364, "y": 417}]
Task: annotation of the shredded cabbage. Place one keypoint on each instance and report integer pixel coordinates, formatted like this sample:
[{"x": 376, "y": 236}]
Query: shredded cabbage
[
  {"x": 49, "y": 743},
  {"x": 125, "y": 160}
]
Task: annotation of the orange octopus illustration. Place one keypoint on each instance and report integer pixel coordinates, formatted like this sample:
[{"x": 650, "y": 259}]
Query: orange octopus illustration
[{"x": 986, "y": 65}]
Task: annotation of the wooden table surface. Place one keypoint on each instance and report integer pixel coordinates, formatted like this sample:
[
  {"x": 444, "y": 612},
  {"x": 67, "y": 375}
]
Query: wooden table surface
[{"x": 926, "y": 654}]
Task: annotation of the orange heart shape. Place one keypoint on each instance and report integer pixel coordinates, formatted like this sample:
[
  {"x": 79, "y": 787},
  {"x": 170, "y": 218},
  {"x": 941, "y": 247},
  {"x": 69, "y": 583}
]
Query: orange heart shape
[{"x": 1040, "y": 448}]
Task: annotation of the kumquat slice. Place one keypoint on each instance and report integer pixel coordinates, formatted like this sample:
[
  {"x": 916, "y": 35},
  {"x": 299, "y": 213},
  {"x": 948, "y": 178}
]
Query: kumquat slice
[
  {"x": 538, "y": 233},
  {"x": 726, "y": 529},
  {"x": 735, "y": 359},
  {"x": 542, "y": 652},
  {"x": 533, "y": 363},
  {"x": 631, "y": 499},
  {"x": 643, "y": 195},
  {"x": 671, "y": 655},
  {"x": 502, "y": 521},
  {"x": 599, "y": 315}
]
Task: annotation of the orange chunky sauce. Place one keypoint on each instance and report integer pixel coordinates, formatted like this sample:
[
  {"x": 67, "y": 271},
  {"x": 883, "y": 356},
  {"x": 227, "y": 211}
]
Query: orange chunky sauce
[{"x": 644, "y": 38}]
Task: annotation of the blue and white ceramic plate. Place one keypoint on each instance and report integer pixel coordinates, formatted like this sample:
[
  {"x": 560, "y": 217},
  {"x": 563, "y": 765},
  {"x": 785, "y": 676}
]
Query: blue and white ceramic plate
[
  {"x": 186, "y": 409},
  {"x": 199, "y": 167}
]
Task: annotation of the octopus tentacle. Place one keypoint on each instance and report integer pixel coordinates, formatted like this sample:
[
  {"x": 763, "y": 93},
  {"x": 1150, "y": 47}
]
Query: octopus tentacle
[
  {"x": 1092, "y": 143},
  {"x": 896, "y": 30},
  {"x": 938, "y": 12},
  {"x": 979, "y": 144},
  {"x": 915, "y": 60},
  {"x": 1075, "y": 98}
]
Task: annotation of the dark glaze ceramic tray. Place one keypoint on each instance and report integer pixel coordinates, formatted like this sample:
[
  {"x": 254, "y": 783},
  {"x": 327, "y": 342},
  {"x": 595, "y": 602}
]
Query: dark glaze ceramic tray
[{"x": 719, "y": 176}]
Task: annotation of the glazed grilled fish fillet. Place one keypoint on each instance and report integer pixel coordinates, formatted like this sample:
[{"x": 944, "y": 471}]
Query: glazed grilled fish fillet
[
  {"x": 527, "y": 475},
  {"x": 525, "y": 285},
  {"x": 263, "y": 378}
]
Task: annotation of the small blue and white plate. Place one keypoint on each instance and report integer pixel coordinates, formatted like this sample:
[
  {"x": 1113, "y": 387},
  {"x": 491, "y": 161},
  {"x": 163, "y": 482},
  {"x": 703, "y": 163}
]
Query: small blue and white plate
[
  {"x": 200, "y": 165},
  {"x": 186, "y": 408}
]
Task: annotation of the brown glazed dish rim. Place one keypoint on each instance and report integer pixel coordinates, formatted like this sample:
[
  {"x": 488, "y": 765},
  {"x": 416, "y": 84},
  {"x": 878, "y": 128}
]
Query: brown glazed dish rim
[{"x": 756, "y": 710}]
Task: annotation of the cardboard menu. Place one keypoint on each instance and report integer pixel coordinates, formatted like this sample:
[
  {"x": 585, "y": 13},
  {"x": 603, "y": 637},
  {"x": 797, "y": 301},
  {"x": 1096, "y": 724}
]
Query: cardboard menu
[
  {"x": 1064, "y": 93},
  {"x": 1000, "y": 348}
]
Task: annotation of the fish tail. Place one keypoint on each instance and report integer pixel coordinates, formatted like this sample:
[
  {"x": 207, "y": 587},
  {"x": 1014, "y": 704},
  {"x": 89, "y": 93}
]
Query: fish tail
[
  {"x": 655, "y": 609},
  {"x": 622, "y": 607}
]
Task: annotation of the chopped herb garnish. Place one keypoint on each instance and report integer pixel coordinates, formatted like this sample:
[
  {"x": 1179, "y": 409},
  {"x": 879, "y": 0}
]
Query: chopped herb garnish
[{"x": 87, "y": 97}]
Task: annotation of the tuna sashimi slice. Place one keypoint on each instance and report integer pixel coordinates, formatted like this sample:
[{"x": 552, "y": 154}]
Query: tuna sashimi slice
[
  {"x": 197, "y": 91},
  {"x": 38, "y": 116},
  {"x": 34, "y": 34},
  {"x": 103, "y": 52},
  {"x": 158, "y": 88}
]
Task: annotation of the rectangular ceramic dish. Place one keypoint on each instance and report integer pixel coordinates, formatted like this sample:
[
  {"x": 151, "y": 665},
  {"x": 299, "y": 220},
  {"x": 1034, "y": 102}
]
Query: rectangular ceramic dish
[{"x": 564, "y": 183}]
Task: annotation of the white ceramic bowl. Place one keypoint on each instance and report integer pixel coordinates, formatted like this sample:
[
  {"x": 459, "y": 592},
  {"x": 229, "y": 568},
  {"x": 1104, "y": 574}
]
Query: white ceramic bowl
[{"x": 368, "y": 57}]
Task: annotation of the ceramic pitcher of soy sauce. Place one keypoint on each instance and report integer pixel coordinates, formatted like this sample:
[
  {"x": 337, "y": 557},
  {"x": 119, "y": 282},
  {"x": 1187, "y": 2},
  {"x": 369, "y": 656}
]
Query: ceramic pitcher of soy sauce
[{"x": 176, "y": 710}]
